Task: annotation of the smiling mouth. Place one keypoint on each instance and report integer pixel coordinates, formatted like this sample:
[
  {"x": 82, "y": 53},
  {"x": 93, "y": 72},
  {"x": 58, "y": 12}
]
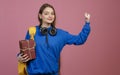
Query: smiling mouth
[{"x": 50, "y": 19}]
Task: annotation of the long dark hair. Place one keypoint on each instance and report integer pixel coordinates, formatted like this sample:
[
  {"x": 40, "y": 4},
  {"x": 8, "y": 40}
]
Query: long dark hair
[{"x": 41, "y": 11}]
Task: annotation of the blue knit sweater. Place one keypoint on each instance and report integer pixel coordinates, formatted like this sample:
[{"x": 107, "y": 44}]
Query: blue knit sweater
[{"x": 47, "y": 57}]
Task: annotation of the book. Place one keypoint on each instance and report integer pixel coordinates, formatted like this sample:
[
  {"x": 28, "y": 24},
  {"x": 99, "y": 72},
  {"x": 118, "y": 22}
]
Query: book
[{"x": 28, "y": 47}]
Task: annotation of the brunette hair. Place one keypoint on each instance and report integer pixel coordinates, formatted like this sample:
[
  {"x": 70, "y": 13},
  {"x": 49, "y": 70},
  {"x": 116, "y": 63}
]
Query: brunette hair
[{"x": 41, "y": 11}]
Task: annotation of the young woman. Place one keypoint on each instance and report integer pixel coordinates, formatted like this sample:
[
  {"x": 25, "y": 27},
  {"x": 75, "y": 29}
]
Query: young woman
[{"x": 50, "y": 42}]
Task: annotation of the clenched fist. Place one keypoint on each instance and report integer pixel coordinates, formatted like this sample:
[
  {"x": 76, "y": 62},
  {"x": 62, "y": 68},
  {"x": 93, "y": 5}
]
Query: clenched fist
[{"x": 87, "y": 17}]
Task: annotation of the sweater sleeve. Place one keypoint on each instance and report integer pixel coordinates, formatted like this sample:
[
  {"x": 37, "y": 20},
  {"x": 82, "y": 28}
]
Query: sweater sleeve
[{"x": 80, "y": 38}]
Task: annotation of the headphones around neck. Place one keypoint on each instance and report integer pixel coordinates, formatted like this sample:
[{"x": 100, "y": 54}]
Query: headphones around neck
[{"x": 52, "y": 31}]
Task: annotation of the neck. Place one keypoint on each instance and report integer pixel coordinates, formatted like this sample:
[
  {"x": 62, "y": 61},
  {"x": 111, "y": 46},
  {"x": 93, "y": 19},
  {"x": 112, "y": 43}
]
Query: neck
[{"x": 47, "y": 25}]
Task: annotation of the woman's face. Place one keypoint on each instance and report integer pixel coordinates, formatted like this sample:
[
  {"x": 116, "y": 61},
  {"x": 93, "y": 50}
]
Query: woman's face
[{"x": 47, "y": 15}]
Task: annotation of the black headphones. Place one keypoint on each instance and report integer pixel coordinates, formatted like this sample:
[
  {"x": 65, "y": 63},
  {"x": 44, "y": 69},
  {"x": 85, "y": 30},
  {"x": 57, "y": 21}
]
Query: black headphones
[{"x": 52, "y": 31}]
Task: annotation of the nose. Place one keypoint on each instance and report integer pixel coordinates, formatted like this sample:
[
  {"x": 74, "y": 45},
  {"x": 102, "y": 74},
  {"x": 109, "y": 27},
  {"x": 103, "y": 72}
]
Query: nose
[{"x": 50, "y": 16}]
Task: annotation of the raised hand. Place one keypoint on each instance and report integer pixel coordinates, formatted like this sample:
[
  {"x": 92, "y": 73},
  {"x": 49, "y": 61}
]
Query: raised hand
[{"x": 87, "y": 17}]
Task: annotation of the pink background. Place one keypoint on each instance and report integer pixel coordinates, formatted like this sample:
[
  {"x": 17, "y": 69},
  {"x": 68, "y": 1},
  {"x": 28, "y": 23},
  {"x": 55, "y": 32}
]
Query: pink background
[{"x": 100, "y": 55}]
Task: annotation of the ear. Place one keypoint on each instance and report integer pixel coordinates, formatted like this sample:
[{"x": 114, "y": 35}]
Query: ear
[{"x": 40, "y": 16}]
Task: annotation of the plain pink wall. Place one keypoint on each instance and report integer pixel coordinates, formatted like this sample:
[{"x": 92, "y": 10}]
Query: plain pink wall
[{"x": 100, "y": 55}]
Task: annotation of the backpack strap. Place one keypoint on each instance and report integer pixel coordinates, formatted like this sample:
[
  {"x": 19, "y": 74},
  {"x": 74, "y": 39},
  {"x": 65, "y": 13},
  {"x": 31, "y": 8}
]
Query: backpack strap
[
  {"x": 32, "y": 32},
  {"x": 22, "y": 66}
]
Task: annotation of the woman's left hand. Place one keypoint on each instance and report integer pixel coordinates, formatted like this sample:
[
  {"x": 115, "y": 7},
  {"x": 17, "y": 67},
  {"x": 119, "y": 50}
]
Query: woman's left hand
[{"x": 87, "y": 17}]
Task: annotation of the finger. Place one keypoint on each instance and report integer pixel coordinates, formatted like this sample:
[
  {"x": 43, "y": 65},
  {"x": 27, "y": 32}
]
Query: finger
[
  {"x": 25, "y": 60},
  {"x": 21, "y": 59},
  {"x": 25, "y": 55},
  {"x": 21, "y": 54},
  {"x": 86, "y": 15}
]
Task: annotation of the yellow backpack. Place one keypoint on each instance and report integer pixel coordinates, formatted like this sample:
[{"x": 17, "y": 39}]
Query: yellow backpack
[{"x": 22, "y": 66}]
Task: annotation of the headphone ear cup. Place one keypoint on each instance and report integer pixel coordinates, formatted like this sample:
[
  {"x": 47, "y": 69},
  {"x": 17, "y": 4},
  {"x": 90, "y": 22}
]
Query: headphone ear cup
[
  {"x": 44, "y": 31},
  {"x": 53, "y": 32}
]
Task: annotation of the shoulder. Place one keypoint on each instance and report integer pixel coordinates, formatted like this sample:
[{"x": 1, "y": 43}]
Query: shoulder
[
  {"x": 33, "y": 29},
  {"x": 62, "y": 31}
]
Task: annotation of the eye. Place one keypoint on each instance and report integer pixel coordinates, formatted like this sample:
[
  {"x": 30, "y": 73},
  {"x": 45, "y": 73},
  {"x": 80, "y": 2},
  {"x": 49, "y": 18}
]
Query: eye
[
  {"x": 52, "y": 13},
  {"x": 45, "y": 13}
]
